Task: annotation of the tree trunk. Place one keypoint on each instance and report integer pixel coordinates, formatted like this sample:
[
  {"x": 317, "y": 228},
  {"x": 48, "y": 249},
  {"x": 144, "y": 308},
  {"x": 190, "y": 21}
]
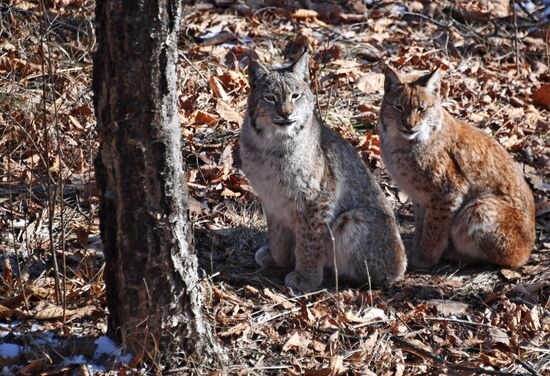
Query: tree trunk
[{"x": 153, "y": 295}]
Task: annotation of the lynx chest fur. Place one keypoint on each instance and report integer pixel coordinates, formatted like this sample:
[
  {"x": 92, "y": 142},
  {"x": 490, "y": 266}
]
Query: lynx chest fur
[{"x": 317, "y": 194}]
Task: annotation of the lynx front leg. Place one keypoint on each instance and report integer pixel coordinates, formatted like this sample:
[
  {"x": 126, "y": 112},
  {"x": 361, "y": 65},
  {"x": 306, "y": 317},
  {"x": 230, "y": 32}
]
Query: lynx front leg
[
  {"x": 433, "y": 239},
  {"x": 279, "y": 250},
  {"x": 311, "y": 240},
  {"x": 419, "y": 214}
]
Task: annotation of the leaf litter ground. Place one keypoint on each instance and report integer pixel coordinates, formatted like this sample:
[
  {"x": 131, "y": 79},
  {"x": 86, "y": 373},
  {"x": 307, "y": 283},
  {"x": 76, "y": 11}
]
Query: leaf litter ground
[{"x": 456, "y": 319}]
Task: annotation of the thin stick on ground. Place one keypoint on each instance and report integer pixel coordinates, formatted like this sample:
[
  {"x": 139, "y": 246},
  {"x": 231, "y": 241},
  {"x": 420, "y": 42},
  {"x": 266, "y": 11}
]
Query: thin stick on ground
[
  {"x": 334, "y": 260},
  {"x": 515, "y": 43}
]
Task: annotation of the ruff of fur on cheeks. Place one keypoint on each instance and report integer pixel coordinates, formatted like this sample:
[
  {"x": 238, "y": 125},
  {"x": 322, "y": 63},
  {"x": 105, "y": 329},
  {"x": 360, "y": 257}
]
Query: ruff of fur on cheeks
[
  {"x": 429, "y": 125},
  {"x": 269, "y": 134}
]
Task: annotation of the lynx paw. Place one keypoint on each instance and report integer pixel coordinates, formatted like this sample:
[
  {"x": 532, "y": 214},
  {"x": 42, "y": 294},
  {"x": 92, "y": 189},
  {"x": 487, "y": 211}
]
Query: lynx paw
[
  {"x": 298, "y": 282},
  {"x": 263, "y": 257}
]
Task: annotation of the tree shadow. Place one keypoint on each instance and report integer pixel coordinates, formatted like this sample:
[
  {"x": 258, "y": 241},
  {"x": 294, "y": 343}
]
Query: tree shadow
[{"x": 227, "y": 255}]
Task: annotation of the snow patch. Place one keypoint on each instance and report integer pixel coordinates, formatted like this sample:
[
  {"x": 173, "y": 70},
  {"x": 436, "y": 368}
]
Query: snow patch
[
  {"x": 9, "y": 350},
  {"x": 106, "y": 346}
]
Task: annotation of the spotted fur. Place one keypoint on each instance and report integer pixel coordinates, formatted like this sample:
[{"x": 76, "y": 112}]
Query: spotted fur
[
  {"x": 471, "y": 200},
  {"x": 314, "y": 188}
]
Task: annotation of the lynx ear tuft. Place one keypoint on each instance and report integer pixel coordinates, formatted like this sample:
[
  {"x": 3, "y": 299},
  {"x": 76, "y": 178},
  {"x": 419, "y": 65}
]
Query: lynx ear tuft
[
  {"x": 392, "y": 80},
  {"x": 256, "y": 71},
  {"x": 301, "y": 67},
  {"x": 431, "y": 81}
]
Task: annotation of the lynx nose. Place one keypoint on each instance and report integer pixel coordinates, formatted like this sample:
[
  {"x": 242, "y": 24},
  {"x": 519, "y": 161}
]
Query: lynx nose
[
  {"x": 286, "y": 110},
  {"x": 410, "y": 123}
]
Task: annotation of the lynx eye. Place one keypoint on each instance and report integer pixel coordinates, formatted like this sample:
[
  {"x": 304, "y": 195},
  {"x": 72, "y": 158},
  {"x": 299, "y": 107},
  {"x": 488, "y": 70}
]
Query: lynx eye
[
  {"x": 422, "y": 109},
  {"x": 398, "y": 107},
  {"x": 270, "y": 98},
  {"x": 296, "y": 96}
]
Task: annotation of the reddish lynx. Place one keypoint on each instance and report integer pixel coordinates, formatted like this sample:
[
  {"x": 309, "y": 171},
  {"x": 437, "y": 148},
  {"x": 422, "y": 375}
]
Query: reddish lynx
[
  {"x": 471, "y": 200},
  {"x": 313, "y": 185}
]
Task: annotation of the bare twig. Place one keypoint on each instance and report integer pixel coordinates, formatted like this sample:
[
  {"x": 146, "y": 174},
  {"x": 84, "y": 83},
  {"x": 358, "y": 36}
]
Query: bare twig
[
  {"x": 334, "y": 260},
  {"x": 15, "y": 247},
  {"x": 526, "y": 365},
  {"x": 429, "y": 19},
  {"x": 531, "y": 17},
  {"x": 194, "y": 67},
  {"x": 515, "y": 40},
  {"x": 50, "y": 181}
]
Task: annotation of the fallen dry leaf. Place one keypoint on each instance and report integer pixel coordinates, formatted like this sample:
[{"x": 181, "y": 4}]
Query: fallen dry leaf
[
  {"x": 499, "y": 336},
  {"x": 297, "y": 340},
  {"x": 370, "y": 83},
  {"x": 304, "y": 14},
  {"x": 201, "y": 117},
  {"x": 228, "y": 113},
  {"x": 237, "y": 329},
  {"x": 510, "y": 274},
  {"x": 278, "y": 299},
  {"x": 337, "y": 365},
  {"x": 493, "y": 360},
  {"x": 448, "y": 308},
  {"x": 8, "y": 313},
  {"x": 217, "y": 88},
  {"x": 368, "y": 315},
  {"x": 55, "y": 312}
]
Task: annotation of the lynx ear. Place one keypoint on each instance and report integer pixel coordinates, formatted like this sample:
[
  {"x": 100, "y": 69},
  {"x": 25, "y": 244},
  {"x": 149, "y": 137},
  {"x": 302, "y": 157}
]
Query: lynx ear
[
  {"x": 392, "y": 80},
  {"x": 256, "y": 71},
  {"x": 431, "y": 81},
  {"x": 301, "y": 67}
]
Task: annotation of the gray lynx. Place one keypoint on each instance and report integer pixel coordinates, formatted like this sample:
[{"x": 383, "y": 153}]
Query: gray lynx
[
  {"x": 471, "y": 200},
  {"x": 316, "y": 192}
]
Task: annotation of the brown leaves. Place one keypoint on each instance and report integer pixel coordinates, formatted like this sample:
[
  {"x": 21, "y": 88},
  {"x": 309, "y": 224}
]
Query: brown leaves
[
  {"x": 448, "y": 308},
  {"x": 279, "y": 299},
  {"x": 228, "y": 113},
  {"x": 217, "y": 88},
  {"x": 15, "y": 307},
  {"x": 296, "y": 341},
  {"x": 453, "y": 315},
  {"x": 305, "y": 14},
  {"x": 371, "y": 83},
  {"x": 201, "y": 117},
  {"x": 55, "y": 312}
]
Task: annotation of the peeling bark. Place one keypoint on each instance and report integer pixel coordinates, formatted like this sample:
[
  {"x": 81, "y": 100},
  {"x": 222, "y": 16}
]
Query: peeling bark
[{"x": 151, "y": 268}]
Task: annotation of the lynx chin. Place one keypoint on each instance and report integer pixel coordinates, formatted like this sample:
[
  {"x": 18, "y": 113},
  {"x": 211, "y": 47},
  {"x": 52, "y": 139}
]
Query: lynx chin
[
  {"x": 471, "y": 200},
  {"x": 317, "y": 194}
]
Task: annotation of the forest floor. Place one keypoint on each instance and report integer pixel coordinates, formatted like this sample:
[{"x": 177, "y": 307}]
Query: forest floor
[{"x": 455, "y": 319}]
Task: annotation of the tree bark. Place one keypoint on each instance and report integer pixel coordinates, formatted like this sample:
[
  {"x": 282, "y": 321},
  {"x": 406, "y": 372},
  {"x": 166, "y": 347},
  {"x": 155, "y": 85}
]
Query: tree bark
[{"x": 153, "y": 296}]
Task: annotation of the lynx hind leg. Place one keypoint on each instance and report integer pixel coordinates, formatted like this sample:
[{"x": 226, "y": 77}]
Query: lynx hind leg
[
  {"x": 488, "y": 230},
  {"x": 369, "y": 248}
]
